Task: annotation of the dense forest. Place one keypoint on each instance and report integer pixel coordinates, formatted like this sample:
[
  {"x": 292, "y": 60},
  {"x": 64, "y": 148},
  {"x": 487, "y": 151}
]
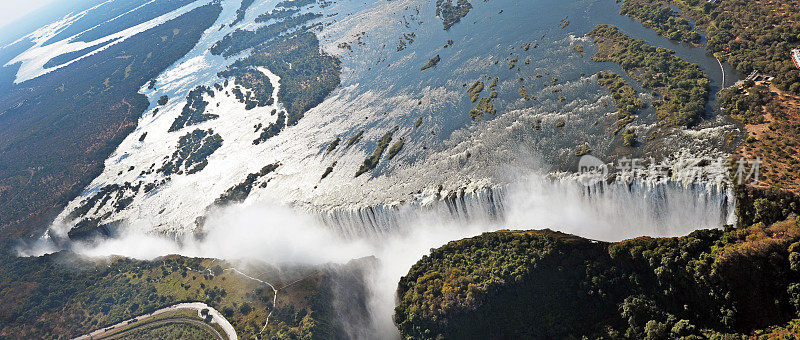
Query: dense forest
[
  {"x": 657, "y": 15},
  {"x": 544, "y": 284},
  {"x": 750, "y": 35},
  {"x": 192, "y": 152},
  {"x": 307, "y": 73},
  {"x": 194, "y": 112},
  {"x": 683, "y": 88}
]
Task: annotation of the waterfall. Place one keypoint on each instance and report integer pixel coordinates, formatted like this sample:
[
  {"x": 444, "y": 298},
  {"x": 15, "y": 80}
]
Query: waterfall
[{"x": 638, "y": 207}]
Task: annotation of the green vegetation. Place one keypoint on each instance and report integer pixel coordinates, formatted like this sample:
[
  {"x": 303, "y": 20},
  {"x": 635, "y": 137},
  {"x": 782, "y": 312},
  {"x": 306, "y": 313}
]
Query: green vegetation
[
  {"x": 332, "y": 146},
  {"x": 625, "y": 99},
  {"x": 102, "y": 197},
  {"x": 745, "y": 105},
  {"x": 452, "y": 14},
  {"x": 194, "y": 111},
  {"x": 538, "y": 125},
  {"x": 629, "y": 138},
  {"x": 706, "y": 284},
  {"x": 583, "y": 150},
  {"x": 240, "y": 13},
  {"x": 773, "y": 133},
  {"x": 578, "y": 48},
  {"x": 193, "y": 151},
  {"x": 178, "y": 324},
  {"x": 765, "y": 206},
  {"x": 560, "y": 124},
  {"x": 372, "y": 161},
  {"x": 63, "y": 295},
  {"x": 475, "y": 90},
  {"x": 241, "y": 40},
  {"x": 750, "y": 35},
  {"x": 683, "y": 87},
  {"x": 307, "y": 74},
  {"x": 484, "y": 106},
  {"x": 238, "y": 193},
  {"x": 395, "y": 149},
  {"x": 272, "y": 130},
  {"x": 657, "y": 15},
  {"x": 355, "y": 139},
  {"x": 524, "y": 93},
  {"x": 431, "y": 63},
  {"x": 55, "y": 142},
  {"x": 328, "y": 171},
  {"x": 756, "y": 36},
  {"x": 258, "y": 87},
  {"x": 277, "y": 14}
]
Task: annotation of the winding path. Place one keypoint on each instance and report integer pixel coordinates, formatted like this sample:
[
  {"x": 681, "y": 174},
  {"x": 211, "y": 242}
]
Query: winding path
[
  {"x": 274, "y": 295},
  {"x": 166, "y": 321},
  {"x": 217, "y": 318}
]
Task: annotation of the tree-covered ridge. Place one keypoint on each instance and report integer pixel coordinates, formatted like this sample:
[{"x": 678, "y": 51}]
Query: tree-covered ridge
[
  {"x": 192, "y": 152},
  {"x": 271, "y": 130},
  {"x": 64, "y": 295},
  {"x": 660, "y": 17},
  {"x": 682, "y": 86},
  {"x": 194, "y": 112},
  {"x": 544, "y": 284},
  {"x": 112, "y": 192},
  {"x": 625, "y": 98}
]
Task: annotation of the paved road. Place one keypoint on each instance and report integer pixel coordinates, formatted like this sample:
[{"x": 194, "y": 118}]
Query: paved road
[
  {"x": 217, "y": 318},
  {"x": 139, "y": 326}
]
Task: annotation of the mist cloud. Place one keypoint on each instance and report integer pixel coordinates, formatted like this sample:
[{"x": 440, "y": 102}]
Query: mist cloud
[{"x": 282, "y": 235}]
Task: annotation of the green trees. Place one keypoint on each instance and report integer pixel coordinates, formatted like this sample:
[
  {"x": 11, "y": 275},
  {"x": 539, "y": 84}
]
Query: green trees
[
  {"x": 194, "y": 110},
  {"x": 192, "y": 152},
  {"x": 431, "y": 63},
  {"x": 452, "y": 14},
  {"x": 372, "y": 161},
  {"x": 750, "y": 35},
  {"x": 707, "y": 283},
  {"x": 660, "y": 17},
  {"x": 683, "y": 86},
  {"x": 238, "y": 193},
  {"x": 625, "y": 98}
]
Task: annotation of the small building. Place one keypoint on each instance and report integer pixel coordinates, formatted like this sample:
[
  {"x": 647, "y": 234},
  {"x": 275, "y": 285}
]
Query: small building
[{"x": 796, "y": 57}]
